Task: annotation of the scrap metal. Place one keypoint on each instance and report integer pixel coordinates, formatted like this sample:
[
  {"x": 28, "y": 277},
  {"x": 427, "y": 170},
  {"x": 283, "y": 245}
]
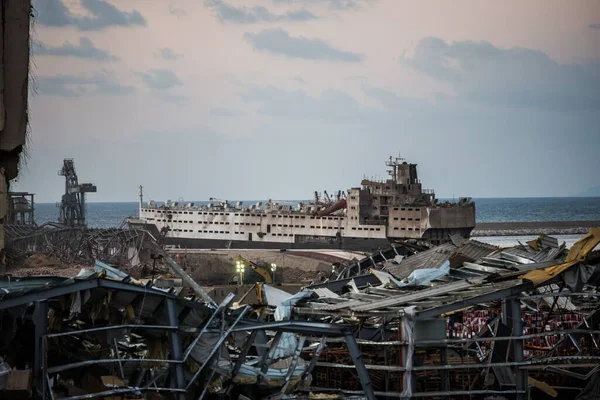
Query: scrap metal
[{"x": 467, "y": 321}]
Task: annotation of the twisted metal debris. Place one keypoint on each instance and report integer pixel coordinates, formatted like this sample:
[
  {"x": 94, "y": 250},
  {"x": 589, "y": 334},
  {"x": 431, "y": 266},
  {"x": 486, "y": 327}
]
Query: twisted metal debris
[{"x": 80, "y": 245}]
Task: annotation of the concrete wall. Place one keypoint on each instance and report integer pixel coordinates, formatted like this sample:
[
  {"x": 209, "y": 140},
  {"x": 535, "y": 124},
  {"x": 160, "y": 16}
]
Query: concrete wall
[{"x": 15, "y": 17}]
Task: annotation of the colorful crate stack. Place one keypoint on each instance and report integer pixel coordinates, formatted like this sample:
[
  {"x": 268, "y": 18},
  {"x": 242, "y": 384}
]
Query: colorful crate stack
[
  {"x": 472, "y": 322},
  {"x": 475, "y": 320}
]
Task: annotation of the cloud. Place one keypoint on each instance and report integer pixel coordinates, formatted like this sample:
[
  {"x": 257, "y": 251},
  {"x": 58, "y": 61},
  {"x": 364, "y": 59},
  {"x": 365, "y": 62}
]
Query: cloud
[
  {"x": 66, "y": 85},
  {"x": 223, "y": 112},
  {"x": 168, "y": 54},
  {"x": 101, "y": 15},
  {"x": 357, "y": 78},
  {"x": 278, "y": 41},
  {"x": 160, "y": 79},
  {"x": 85, "y": 49},
  {"x": 276, "y": 102},
  {"x": 392, "y": 101},
  {"x": 333, "y": 4},
  {"x": 594, "y": 26},
  {"x": 250, "y": 15},
  {"x": 177, "y": 99},
  {"x": 178, "y": 12},
  {"x": 515, "y": 77}
]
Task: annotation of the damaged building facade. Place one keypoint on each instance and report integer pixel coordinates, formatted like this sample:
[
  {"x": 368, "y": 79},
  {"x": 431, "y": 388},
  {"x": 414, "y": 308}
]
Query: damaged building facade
[{"x": 14, "y": 81}]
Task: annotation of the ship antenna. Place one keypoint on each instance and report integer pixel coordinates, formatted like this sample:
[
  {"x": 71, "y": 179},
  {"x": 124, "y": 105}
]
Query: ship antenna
[{"x": 141, "y": 194}]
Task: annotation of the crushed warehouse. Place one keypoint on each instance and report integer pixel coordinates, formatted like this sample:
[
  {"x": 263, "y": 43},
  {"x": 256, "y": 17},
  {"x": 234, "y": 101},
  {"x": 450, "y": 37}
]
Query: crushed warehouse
[{"x": 460, "y": 320}]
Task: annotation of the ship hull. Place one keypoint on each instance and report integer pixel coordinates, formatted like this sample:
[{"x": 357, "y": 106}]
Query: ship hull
[
  {"x": 351, "y": 244},
  {"x": 311, "y": 243}
]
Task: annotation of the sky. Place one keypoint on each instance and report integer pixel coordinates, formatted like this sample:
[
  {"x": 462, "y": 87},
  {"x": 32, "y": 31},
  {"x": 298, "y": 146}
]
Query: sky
[{"x": 263, "y": 99}]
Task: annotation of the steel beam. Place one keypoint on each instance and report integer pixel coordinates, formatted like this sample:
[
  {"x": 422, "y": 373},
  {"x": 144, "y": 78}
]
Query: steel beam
[
  {"x": 123, "y": 391},
  {"x": 268, "y": 357},
  {"x": 336, "y": 286},
  {"x": 177, "y": 373},
  {"x": 60, "y": 290},
  {"x": 517, "y": 329},
  {"x": 527, "y": 364},
  {"x": 67, "y": 287},
  {"x": 483, "y": 298},
  {"x": 315, "y": 358},
  {"x": 302, "y": 327},
  {"x": 66, "y": 367},
  {"x": 363, "y": 374},
  {"x": 424, "y": 394},
  {"x": 217, "y": 347},
  {"x": 261, "y": 342},
  {"x": 218, "y": 311},
  {"x": 286, "y": 388},
  {"x": 242, "y": 357},
  {"x": 40, "y": 320},
  {"x": 111, "y": 327},
  {"x": 188, "y": 280}
]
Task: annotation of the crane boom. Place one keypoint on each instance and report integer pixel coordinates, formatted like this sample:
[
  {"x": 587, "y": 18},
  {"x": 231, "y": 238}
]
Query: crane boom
[{"x": 262, "y": 270}]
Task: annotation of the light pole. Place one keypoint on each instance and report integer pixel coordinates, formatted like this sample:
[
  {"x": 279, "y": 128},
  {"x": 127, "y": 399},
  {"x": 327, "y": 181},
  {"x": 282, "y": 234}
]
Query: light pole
[
  {"x": 239, "y": 269},
  {"x": 273, "y": 269}
]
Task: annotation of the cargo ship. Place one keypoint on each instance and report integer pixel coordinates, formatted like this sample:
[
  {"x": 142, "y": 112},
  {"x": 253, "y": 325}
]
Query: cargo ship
[{"x": 362, "y": 218}]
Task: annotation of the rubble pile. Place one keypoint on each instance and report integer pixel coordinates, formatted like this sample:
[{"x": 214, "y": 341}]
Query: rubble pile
[
  {"x": 42, "y": 264},
  {"x": 462, "y": 320}
]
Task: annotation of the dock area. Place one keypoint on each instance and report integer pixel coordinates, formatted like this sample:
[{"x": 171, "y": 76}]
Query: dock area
[{"x": 532, "y": 228}]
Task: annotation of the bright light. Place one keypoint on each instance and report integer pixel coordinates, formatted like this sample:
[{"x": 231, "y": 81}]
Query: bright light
[
  {"x": 273, "y": 267},
  {"x": 239, "y": 266}
]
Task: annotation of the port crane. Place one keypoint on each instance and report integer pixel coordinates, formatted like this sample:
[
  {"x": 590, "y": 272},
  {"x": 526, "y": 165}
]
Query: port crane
[{"x": 72, "y": 205}]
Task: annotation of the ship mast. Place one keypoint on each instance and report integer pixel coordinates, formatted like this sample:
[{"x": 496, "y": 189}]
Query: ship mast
[{"x": 141, "y": 194}]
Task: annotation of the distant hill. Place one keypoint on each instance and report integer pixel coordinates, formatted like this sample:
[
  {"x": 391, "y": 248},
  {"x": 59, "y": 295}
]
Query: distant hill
[{"x": 591, "y": 192}]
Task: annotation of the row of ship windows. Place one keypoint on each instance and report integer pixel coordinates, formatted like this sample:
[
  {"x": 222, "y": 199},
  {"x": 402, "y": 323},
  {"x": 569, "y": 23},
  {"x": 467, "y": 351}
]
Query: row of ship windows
[
  {"x": 244, "y": 215},
  {"x": 395, "y": 208},
  {"x": 223, "y": 232},
  {"x": 409, "y": 219},
  {"x": 227, "y": 233},
  {"x": 243, "y": 233},
  {"x": 249, "y": 224},
  {"x": 285, "y": 234}
]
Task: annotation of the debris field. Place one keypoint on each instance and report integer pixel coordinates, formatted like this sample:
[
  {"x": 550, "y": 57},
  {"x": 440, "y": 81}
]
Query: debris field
[{"x": 110, "y": 314}]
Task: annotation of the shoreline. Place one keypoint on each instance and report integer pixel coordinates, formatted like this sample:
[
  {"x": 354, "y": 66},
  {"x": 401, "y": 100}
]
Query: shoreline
[{"x": 533, "y": 228}]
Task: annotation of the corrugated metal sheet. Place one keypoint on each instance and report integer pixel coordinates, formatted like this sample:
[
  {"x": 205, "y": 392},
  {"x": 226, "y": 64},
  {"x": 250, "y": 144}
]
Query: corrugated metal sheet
[
  {"x": 477, "y": 250},
  {"x": 427, "y": 259},
  {"x": 549, "y": 242},
  {"x": 324, "y": 292},
  {"x": 433, "y": 258}
]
